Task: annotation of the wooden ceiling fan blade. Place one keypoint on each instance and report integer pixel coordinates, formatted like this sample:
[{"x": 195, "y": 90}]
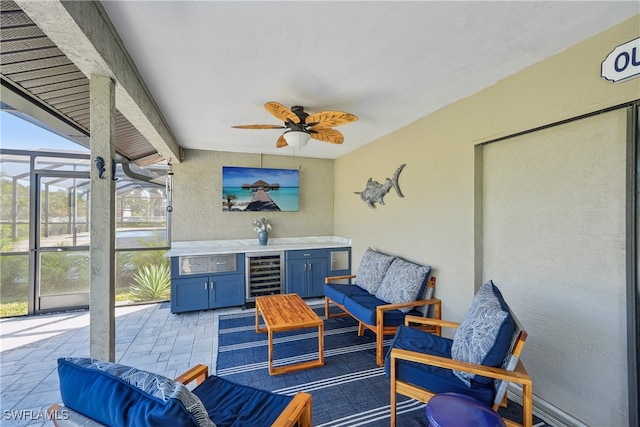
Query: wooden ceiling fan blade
[
  {"x": 281, "y": 112},
  {"x": 327, "y": 135},
  {"x": 330, "y": 118},
  {"x": 281, "y": 142},
  {"x": 259, "y": 127}
]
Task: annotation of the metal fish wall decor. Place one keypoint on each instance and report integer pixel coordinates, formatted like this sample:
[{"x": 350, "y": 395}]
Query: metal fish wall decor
[{"x": 375, "y": 192}]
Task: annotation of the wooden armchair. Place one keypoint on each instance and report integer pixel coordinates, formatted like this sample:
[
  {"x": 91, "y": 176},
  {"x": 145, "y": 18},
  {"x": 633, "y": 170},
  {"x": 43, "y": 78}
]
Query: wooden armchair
[
  {"x": 218, "y": 396},
  {"x": 411, "y": 370}
]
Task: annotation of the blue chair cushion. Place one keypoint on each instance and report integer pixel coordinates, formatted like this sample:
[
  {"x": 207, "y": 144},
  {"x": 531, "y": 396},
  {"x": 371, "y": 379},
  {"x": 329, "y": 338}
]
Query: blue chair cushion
[
  {"x": 432, "y": 378},
  {"x": 118, "y": 395},
  {"x": 337, "y": 291},
  {"x": 403, "y": 282},
  {"x": 363, "y": 308},
  {"x": 229, "y": 403},
  {"x": 485, "y": 333},
  {"x": 372, "y": 269}
]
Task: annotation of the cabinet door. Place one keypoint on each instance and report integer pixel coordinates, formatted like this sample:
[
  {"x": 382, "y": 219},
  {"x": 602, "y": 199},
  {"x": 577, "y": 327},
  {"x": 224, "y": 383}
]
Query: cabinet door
[
  {"x": 189, "y": 294},
  {"x": 226, "y": 290},
  {"x": 316, "y": 272},
  {"x": 339, "y": 261},
  {"x": 296, "y": 277}
]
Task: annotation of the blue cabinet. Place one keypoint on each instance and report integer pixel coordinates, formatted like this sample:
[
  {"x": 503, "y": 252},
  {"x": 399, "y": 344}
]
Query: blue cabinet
[
  {"x": 204, "y": 282},
  {"x": 305, "y": 272}
]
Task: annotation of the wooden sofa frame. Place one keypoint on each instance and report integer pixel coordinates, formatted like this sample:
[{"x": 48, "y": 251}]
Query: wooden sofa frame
[
  {"x": 379, "y": 329},
  {"x": 519, "y": 375},
  {"x": 297, "y": 413}
]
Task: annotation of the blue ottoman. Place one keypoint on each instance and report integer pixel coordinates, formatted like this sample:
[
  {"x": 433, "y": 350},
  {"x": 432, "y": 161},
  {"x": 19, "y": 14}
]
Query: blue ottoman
[{"x": 457, "y": 410}]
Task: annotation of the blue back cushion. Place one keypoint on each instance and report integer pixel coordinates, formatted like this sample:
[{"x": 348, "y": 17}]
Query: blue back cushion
[
  {"x": 372, "y": 269},
  {"x": 485, "y": 333},
  {"x": 403, "y": 282},
  {"x": 118, "y": 395}
]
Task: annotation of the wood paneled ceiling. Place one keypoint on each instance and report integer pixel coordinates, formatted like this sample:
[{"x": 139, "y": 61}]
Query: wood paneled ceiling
[{"x": 33, "y": 66}]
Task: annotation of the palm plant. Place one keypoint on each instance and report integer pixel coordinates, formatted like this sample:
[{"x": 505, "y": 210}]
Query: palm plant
[{"x": 152, "y": 283}]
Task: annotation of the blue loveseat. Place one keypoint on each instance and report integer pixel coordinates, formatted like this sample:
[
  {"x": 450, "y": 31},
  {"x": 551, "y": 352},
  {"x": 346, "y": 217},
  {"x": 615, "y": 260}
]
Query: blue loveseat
[
  {"x": 386, "y": 289},
  {"x": 97, "y": 393}
]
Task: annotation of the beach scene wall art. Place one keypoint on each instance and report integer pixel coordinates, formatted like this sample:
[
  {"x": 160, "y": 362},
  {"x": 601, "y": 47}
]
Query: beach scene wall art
[{"x": 247, "y": 189}]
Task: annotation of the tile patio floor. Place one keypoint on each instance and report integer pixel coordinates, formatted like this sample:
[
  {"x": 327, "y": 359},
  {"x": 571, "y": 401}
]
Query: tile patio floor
[{"x": 148, "y": 337}]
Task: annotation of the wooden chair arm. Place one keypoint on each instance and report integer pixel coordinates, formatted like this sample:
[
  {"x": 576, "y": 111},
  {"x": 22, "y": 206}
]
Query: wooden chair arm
[
  {"x": 428, "y": 321},
  {"x": 332, "y": 278},
  {"x": 198, "y": 373},
  {"x": 417, "y": 303},
  {"x": 297, "y": 412},
  {"x": 519, "y": 375},
  {"x": 52, "y": 413}
]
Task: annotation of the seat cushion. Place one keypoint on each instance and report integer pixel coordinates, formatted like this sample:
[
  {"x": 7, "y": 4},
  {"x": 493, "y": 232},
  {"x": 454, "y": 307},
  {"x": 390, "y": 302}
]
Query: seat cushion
[
  {"x": 337, "y": 292},
  {"x": 118, "y": 395},
  {"x": 485, "y": 333},
  {"x": 372, "y": 269},
  {"x": 363, "y": 308},
  {"x": 434, "y": 379},
  {"x": 403, "y": 282},
  {"x": 229, "y": 403}
]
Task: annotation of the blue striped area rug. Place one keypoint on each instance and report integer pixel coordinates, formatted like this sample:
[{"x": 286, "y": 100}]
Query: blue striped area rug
[{"x": 349, "y": 390}]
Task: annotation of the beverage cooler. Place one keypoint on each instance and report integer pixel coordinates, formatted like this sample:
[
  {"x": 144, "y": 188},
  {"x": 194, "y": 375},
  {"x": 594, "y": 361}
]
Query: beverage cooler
[{"x": 264, "y": 274}]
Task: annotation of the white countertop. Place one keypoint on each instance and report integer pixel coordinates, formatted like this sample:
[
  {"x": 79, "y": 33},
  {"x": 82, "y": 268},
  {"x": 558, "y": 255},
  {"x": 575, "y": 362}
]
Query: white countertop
[{"x": 213, "y": 247}]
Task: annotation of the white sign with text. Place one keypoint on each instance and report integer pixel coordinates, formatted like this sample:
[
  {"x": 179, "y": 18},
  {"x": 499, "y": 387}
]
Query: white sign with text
[{"x": 623, "y": 62}]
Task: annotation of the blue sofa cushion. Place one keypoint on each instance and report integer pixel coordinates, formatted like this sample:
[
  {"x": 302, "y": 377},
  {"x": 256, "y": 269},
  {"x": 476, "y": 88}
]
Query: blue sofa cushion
[
  {"x": 372, "y": 269},
  {"x": 434, "y": 379},
  {"x": 363, "y": 308},
  {"x": 337, "y": 291},
  {"x": 229, "y": 403},
  {"x": 403, "y": 282},
  {"x": 485, "y": 333},
  {"x": 118, "y": 395}
]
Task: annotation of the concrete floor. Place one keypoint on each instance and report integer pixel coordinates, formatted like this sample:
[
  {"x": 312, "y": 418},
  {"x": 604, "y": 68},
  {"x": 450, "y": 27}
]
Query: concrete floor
[{"x": 148, "y": 337}]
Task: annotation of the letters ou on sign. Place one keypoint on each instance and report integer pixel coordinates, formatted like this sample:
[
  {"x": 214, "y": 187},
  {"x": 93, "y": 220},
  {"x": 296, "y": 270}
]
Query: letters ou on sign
[{"x": 623, "y": 62}]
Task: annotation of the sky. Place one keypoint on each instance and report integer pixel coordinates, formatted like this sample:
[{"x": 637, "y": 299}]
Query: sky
[
  {"x": 19, "y": 134},
  {"x": 236, "y": 176}
]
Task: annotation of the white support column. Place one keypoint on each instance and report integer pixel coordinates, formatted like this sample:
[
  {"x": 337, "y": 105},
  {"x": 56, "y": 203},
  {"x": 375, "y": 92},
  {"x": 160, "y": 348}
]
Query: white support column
[{"x": 102, "y": 300}]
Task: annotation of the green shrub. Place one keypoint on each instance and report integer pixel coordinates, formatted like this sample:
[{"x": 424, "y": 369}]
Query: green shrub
[
  {"x": 13, "y": 308},
  {"x": 152, "y": 283}
]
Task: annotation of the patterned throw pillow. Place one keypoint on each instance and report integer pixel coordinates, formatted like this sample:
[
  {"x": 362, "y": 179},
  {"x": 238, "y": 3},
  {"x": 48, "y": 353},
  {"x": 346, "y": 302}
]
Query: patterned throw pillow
[
  {"x": 372, "y": 269},
  {"x": 403, "y": 282},
  {"x": 95, "y": 395},
  {"x": 485, "y": 333}
]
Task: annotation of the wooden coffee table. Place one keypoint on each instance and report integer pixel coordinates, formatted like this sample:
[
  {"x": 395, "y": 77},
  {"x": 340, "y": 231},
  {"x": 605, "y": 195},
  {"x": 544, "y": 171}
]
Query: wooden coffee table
[{"x": 288, "y": 312}]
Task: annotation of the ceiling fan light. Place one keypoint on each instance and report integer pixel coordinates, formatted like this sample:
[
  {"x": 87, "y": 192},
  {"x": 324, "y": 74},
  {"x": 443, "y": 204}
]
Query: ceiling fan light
[{"x": 296, "y": 138}]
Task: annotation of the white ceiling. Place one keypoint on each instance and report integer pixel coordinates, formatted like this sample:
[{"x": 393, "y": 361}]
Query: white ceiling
[{"x": 213, "y": 64}]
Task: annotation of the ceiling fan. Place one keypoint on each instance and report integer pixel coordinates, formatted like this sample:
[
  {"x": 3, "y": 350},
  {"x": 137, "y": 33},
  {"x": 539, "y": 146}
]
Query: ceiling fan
[{"x": 302, "y": 126}]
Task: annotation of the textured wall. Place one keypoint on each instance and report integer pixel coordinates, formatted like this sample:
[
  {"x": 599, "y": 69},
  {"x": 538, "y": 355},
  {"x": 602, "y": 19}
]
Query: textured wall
[
  {"x": 435, "y": 222},
  {"x": 554, "y": 228},
  {"x": 197, "y": 198}
]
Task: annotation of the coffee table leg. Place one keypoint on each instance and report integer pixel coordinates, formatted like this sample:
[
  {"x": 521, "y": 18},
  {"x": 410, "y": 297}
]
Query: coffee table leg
[
  {"x": 258, "y": 328},
  {"x": 270, "y": 334},
  {"x": 321, "y": 343}
]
